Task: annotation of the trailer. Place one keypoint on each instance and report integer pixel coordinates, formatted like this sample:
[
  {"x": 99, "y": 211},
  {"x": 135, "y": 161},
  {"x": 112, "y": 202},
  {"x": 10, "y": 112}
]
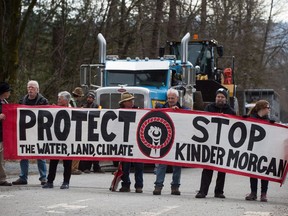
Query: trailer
[{"x": 251, "y": 96}]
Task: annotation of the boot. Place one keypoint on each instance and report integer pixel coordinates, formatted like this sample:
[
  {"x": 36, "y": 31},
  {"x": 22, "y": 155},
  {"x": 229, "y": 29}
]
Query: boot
[
  {"x": 124, "y": 189},
  {"x": 157, "y": 190},
  {"x": 175, "y": 190},
  {"x": 263, "y": 197},
  {"x": 251, "y": 196}
]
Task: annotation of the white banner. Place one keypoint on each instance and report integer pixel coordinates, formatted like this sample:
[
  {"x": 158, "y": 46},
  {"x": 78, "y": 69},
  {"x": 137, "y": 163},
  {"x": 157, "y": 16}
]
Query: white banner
[{"x": 186, "y": 138}]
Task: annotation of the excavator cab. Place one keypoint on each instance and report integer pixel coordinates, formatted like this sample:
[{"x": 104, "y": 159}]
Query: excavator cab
[{"x": 211, "y": 67}]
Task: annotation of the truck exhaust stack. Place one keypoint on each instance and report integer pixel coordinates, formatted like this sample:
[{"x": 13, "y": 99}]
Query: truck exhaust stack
[
  {"x": 184, "y": 48},
  {"x": 102, "y": 48}
]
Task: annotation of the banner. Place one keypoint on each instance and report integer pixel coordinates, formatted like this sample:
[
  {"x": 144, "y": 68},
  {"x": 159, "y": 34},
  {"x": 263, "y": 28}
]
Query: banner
[{"x": 231, "y": 144}]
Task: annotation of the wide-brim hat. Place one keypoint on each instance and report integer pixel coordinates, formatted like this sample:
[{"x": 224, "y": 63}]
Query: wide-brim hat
[
  {"x": 78, "y": 92},
  {"x": 4, "y": 87},
  {"x": 126, "y": 96}
]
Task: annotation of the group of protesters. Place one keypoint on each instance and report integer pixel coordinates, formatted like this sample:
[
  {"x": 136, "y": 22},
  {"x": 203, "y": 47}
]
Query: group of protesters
[{"x": 65, "y": 99}]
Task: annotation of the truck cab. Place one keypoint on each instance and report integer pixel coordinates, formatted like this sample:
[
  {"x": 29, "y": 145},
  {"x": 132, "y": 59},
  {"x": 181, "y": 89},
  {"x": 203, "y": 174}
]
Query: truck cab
[
  {"x": 147, "y": 79},
  {"x": 213, "y": 70}
]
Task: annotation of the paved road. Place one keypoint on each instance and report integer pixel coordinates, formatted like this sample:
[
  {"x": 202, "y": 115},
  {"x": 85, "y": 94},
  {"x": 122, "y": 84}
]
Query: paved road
[{"x": 89, "y": 195}]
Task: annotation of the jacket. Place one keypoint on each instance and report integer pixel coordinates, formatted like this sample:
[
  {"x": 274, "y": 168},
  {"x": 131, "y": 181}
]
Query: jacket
[
  {"x": 226, "y": 109},
  {"x": 1, "y": 126},
  {"x": 166, "y": 105},
  {"x": 41, "y": 100}
]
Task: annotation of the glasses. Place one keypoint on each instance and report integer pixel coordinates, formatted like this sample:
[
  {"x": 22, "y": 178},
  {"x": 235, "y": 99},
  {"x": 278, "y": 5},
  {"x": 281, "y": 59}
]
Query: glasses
[{"x": 268, "y": 107}]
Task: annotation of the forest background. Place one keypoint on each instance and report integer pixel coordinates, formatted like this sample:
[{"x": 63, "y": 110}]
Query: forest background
[{"x": 48, "y": 40}]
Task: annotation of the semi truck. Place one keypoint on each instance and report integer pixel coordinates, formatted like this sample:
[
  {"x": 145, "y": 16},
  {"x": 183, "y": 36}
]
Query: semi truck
[
  {"x": 197, "y": 68},
  {"x": 147, "y": 79}
]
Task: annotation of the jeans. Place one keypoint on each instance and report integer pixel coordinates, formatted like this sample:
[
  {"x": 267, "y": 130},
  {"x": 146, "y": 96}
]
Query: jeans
[
  {"x": 138, "y": 173},
  {"x": 24, "y": 165},
  {"x": 160, "y": 176}
]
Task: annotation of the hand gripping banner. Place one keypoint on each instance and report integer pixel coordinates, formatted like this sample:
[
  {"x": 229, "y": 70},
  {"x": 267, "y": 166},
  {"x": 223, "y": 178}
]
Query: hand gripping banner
[{"x": 243, "y": 146}]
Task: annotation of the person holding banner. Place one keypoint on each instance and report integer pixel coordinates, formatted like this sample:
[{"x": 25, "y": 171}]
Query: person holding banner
[
  {"x": 219, "y": 106},
  {"x": 127, "y": 101},
  {"x": 63, "y": 100},
  {"x": 261, "y": 110},
  {"x": 32, "y": 98},
  {"x": 84, "y": 165},
  {"x": 76, "y": 101},
  {"x": 4, "y": 94},
  {"x": 172, "y": 102}
]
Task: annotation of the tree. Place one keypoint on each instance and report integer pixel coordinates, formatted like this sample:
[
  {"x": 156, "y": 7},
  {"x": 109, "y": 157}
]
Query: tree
[{"x": 12, "y": 26}]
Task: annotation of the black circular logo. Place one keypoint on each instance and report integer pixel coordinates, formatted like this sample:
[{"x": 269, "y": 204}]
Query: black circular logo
[{"x": 155, "y": 134}]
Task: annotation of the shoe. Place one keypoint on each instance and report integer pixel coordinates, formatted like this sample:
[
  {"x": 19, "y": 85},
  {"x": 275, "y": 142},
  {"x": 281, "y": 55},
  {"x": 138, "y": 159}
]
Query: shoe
[
  {"x": 76, "y": 172},
  {"x": 48, "y": 185},
  {"x": 64, "y": 186},
  {"x": 99, "y": 171},
  {"x": 19, "y": 182},
  {"x": 220, "y": 196},
  {"x": 87, "y": 171},
  {"x": 43, "y": 181},
  {"x": 138, "y": 190},
  {"x": 200, "y": 195},
  {"x": 124, "y": 189},
  {"x": 5, "y": 183},
  {"x": 175, "y": 191},
  {"x": 157, "y": 190},
  {"x": 263, "y": 197},
  {"x": 251, "y": 196}
]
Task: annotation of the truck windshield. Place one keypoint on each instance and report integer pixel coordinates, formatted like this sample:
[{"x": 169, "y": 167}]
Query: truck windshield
[
  {"x": 156, "y": 78},
  {"x": 198, "y": 54}
]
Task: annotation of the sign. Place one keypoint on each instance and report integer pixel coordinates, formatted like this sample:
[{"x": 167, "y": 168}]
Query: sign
[{"x": 231, "y": 144}]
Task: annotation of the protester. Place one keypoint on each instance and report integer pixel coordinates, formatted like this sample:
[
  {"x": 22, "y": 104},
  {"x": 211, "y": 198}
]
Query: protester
[
  {"x": 64, "y": 98},
  {"x": 76, "y": 101},
  {"x": 85, "y": 165},
  {"x": 77, "y": 97},
  {"x": 127, "y": 101},
  {"x": 32, "y": 98},
  {"x": 4, "y": 94},
  {"x": 261, "y": 110},
  {"x": 219, "y": 106},
  {"x": 172, "y": 102}
]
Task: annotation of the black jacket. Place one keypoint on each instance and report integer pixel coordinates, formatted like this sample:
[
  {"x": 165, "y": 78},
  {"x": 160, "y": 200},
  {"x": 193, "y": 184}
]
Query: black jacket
[
  {"x": 41, "y": 100},
  {"x": 1, "y": 127},
  {"x": 266, "y": 118},
  {"x": 226, "y": 109}
]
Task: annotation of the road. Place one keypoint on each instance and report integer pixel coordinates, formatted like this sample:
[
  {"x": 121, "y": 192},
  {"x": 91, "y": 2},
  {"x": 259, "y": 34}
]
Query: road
[{"x": 89, "y": 195}]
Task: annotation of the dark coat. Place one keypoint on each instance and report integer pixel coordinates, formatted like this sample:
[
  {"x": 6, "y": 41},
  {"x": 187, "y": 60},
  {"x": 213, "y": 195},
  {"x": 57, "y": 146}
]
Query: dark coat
[
  {"x": 166, "y": 105},
  {"x": 1, "y": 127},
  {"x": 226, "y": 109},
  {"x": 41, "y": 100},
  {"x": 265, "y": 118}
]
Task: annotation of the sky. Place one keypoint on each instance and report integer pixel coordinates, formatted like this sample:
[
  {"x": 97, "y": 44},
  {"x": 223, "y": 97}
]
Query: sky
[{"x": 279, "y": 11}]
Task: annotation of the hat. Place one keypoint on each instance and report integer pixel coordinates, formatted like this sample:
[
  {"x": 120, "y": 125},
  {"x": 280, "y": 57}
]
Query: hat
[
  {"x": 126, "y": 96},
  {"x": 91, "y": 94},
  {"x": 78, "y": 92},
  {"x": 4, "y": 87},
  {"x": 222, "y": 91}
]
